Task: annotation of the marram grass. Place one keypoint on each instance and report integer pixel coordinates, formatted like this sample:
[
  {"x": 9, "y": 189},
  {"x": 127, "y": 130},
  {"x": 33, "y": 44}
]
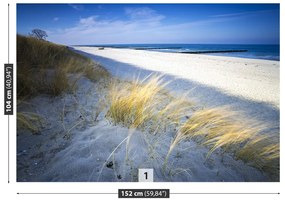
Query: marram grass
[
  {"x": 30, "y": 121},
  {"x": 140, "y": 105},
  {"x": 44, "y": 67}
]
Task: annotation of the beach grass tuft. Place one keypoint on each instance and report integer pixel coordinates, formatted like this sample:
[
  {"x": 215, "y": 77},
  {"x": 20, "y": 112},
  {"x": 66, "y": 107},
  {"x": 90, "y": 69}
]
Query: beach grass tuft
[
  {"x": 44, "y": 67},
  {"x": 133, "y": 104},
  {"x": 141, "y": 105},
  {"x": 47, "y": 68},
  {"x": 222, "y": 128},
  {"x": 30, "y": 121}
]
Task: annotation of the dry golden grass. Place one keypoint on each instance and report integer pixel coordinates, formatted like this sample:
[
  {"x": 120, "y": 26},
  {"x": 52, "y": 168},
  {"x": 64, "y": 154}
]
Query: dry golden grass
[
  {"x": 222, "y": 128},
  {"x": 44, "y": 67},
  {"x": 133, "y": 104},
  {"x": 262, "y": 153},
  {"x": 141, "y": 105},
  {"x": 29, "y": 120}
]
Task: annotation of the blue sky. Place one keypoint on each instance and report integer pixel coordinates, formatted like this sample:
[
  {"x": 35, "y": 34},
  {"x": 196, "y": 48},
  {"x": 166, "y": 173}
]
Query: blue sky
[{"x": 72, "y": 24}]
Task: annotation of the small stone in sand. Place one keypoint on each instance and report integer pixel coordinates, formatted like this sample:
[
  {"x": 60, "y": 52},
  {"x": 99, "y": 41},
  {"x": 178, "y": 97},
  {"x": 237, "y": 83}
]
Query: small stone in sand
[{"x": 109, "y": 165}]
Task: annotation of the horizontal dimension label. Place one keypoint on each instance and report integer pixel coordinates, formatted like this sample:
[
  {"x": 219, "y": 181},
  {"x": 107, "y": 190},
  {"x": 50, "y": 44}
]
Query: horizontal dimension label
[
  {"x": 8, "y": 89},
  {"x": 143, "y": 193}
]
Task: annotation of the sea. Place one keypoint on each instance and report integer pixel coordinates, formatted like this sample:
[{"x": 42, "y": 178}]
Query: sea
[{"x": 254, "y": 51}]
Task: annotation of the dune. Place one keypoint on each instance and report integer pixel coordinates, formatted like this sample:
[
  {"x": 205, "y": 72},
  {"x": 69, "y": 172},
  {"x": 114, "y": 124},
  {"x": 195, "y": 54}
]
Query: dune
[{"x": 86, "y": 136}]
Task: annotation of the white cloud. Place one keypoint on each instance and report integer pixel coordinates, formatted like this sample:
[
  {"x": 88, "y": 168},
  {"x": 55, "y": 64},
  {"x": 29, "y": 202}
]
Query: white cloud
[
  {"x": 143, "y": 25},
  {"x": 77, "y": 7},
  {"x": 143, "y": 13},
  {"x": 88, "y": 22},
  {"x": 96, "y": 30},
  {"x": 55, "y": 19},
  {"x": 242, "y": 14}
]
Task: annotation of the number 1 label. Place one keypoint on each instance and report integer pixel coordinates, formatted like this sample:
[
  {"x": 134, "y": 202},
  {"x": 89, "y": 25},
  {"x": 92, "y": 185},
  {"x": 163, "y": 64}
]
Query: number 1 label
[{"x": 145, "y": 175}]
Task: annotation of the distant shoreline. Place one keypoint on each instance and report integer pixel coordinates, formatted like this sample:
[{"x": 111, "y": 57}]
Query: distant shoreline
[{"x": 266, "y": 52}]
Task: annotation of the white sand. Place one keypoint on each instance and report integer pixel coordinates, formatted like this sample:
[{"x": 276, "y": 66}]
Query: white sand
[{"x": 252, "y": 79}]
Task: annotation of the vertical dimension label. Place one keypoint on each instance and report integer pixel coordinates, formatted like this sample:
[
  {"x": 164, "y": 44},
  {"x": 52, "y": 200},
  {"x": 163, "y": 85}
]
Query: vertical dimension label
[{"x": 8, "y": 89}]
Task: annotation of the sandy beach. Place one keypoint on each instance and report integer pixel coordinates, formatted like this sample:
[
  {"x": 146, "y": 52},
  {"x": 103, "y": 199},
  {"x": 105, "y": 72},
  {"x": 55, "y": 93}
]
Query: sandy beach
[{"x": 250, "y": 79}]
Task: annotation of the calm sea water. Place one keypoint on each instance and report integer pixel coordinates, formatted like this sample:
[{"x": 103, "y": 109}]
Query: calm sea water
[{"x": 269, "y": 52}]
